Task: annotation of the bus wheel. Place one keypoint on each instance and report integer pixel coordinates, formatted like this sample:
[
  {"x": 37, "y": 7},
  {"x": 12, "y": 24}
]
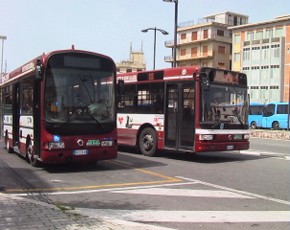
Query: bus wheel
[
  {"x": 9, "y": 149},
  {"x": 147, "y": 142},
  {"x": 253, "y": 125},
  {"x": 32, "y": 158},
  {"x": 276, "y": 125}
]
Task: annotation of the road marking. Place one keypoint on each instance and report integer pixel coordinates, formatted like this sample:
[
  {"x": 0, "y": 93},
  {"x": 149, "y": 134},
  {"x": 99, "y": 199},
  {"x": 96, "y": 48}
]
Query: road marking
[
  {"x": 190, "y": 216},
  {"x": 166, "y": 179},
  {"x": 237, "y": 191},
  {"x": 103, "y": 189},
  {"x": 254, "y": 152},
  {"x": 184, "y": 193}
]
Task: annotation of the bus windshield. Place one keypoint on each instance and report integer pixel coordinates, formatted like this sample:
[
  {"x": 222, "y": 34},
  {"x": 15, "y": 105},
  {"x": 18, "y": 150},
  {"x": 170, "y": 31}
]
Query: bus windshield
[
  {"x": 224, "y": 106},
  {"x": 78, "y": 94}
]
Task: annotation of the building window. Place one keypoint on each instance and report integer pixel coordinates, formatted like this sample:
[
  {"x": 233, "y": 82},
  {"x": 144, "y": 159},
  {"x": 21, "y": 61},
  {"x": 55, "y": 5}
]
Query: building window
[
  {"x": 269, "y": 33},
  {"x": 246, "y": 56},
  {"x": 259, "y": 35},
  {"x": 183, "y": 52},
  {"x": 183, "y": 36},
  {"x": 237, "y": 57},
  {"x": 237, "y": 38},
  {"x": 250, "y": 36},
  {"x": 221, "y": 33},
  {"x": 221, "y": 65},
  {"x": 204, "y": 50},
  {"x": 194, "y": 36},
  {"x": 205, "y": 34},
  {"x": 194, "y": 52},
  {"x": 279, "y": 32},
  {"x": 221, "y": 49}
]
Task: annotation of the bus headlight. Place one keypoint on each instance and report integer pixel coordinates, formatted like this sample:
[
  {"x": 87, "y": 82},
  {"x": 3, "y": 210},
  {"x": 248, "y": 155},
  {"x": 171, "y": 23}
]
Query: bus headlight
[
  {"x": 205, "y": 137},
  {"x": 55, "y": 145},
  {"x": 246, "y": 136}
]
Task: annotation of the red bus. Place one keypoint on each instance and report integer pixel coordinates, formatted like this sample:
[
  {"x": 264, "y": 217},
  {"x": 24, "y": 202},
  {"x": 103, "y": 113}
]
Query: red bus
[
  {"x": 60, "y": 107},
  {"x": 184, "y": 109}
]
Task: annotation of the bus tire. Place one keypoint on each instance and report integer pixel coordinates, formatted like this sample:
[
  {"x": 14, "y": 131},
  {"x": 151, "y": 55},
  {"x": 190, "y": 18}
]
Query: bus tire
[
  {"x": 9, "y": 149},
  {"x": 276, "y": 125},
  {"x": 253, "y": 125},
  {"x": 147, "y": 142},
  {"x": 32, "y": 158}
]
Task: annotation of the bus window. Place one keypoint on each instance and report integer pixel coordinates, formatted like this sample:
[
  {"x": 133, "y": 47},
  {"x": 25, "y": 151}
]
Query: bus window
[
  {"x": 27, "y": 96},
  {"x": 8, "y": 100}
]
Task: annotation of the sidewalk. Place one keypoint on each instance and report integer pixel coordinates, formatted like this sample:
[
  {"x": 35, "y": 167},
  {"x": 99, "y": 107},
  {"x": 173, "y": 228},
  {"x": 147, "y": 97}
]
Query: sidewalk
[{"x": 27, "y": 214}]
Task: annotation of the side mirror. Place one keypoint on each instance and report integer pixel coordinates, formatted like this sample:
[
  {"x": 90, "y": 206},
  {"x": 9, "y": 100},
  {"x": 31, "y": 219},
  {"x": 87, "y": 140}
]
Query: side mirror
[
  {"x": 38, "y": 70},
  {"x": 204, "y": 78}
]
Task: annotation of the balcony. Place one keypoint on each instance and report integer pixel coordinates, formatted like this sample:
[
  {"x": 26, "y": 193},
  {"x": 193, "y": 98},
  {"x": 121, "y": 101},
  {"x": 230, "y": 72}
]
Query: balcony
[
  {"x": 188, "y": 57},
  {"x": 262, "y": 41},
  {"x": 188, "y": 41}
]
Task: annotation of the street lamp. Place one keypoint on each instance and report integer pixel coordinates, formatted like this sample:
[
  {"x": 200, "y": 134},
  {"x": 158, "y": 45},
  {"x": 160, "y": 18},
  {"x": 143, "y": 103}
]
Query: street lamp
[
  {"x": 1, "y": 78},
  {"x": 2, "y": 38},
  {"x": 175, "y": 30},
  {"x": 155, "y": 29}
]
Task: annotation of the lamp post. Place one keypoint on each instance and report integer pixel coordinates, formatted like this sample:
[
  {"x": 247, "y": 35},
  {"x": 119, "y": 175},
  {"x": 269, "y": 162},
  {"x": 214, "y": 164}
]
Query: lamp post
[
  {"x": 1, "y": 76},
  {"x": 2, "y": 38},
  {"x": 175, "y": 29},
  {"x": 155, "y": 29}
]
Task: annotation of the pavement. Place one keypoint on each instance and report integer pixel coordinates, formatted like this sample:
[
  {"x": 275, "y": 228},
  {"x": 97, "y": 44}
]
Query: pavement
[
  {"x": 31, "y": 213},
  {"x": 27, "y": 213}
]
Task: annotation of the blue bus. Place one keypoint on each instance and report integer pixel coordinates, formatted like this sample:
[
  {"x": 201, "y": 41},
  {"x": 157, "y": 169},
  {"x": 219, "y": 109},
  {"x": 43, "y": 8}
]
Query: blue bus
[
  {"x": 255, "y": 115},
  {"x": 276, "y": 115}
]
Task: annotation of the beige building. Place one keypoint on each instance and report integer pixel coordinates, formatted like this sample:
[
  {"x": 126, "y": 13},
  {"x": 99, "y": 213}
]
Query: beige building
[
  {"x": 135, "y": 63},
  {"x": 207, "y": 43},
  {"x": 262, "y": 51}
]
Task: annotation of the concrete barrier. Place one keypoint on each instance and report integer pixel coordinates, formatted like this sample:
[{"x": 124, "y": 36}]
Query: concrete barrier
[{"x": 270, "y": 134}]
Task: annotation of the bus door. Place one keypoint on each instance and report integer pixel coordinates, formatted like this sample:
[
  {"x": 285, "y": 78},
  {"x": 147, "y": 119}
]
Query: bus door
[
  {"x": 16, "y": 113},
  {"x": 179, "y": 117}
]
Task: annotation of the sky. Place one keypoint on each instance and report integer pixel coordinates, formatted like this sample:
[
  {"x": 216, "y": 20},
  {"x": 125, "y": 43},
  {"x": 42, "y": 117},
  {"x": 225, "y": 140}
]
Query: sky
[{"x": 109, "y": 26}]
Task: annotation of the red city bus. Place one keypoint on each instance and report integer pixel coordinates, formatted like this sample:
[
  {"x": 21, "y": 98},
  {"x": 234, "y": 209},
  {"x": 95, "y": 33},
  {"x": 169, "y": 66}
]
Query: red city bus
[
  {"x": 60, "y": 107},
  {"x": 184, "y": 109}
]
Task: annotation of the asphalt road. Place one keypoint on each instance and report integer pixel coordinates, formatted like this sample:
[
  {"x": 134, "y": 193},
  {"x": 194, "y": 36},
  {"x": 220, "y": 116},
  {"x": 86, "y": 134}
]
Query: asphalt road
[{"x": 228, "y": 190}]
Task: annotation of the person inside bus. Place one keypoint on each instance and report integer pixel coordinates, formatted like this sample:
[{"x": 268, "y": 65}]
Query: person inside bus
[
  {"x": 158, "y": 104},
  {"x": 188, "y": 110}
]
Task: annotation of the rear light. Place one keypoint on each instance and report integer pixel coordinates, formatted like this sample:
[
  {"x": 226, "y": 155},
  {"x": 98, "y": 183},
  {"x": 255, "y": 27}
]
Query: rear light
[
  {"x": 205, "y": 137},
  {"x": 54, "y": 145}
]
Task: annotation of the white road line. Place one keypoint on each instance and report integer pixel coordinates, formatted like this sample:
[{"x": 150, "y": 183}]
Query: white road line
[
  {"x": 237, "y": 191},
  {"x": 255, "y": 152},
  {"x": 185, "y": 193},
  {"x": 101, "y": 190},
  {"x": 191, "y": 216}
]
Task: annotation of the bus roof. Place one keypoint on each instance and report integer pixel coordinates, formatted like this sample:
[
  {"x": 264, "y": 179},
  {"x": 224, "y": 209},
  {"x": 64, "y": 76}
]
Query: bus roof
[
  {"x": 184, "y": 72},
  {"x": 160, "y": 74},
  {"x": 31, "y": 65}
]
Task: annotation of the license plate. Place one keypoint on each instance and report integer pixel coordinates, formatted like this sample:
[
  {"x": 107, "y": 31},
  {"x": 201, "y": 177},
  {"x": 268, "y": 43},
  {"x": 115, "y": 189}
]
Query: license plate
[
  {"x": 230, "y": 147},
  {"x": 79, "y": 152},
  {"x": 238, "y": 137}
]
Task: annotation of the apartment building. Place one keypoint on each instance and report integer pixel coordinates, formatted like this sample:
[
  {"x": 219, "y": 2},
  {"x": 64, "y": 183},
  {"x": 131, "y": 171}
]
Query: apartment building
[
  {"x": 206, "y": 43},
  {"x": 262, "y": 51},
  {"x": 135, "y": 63}
]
